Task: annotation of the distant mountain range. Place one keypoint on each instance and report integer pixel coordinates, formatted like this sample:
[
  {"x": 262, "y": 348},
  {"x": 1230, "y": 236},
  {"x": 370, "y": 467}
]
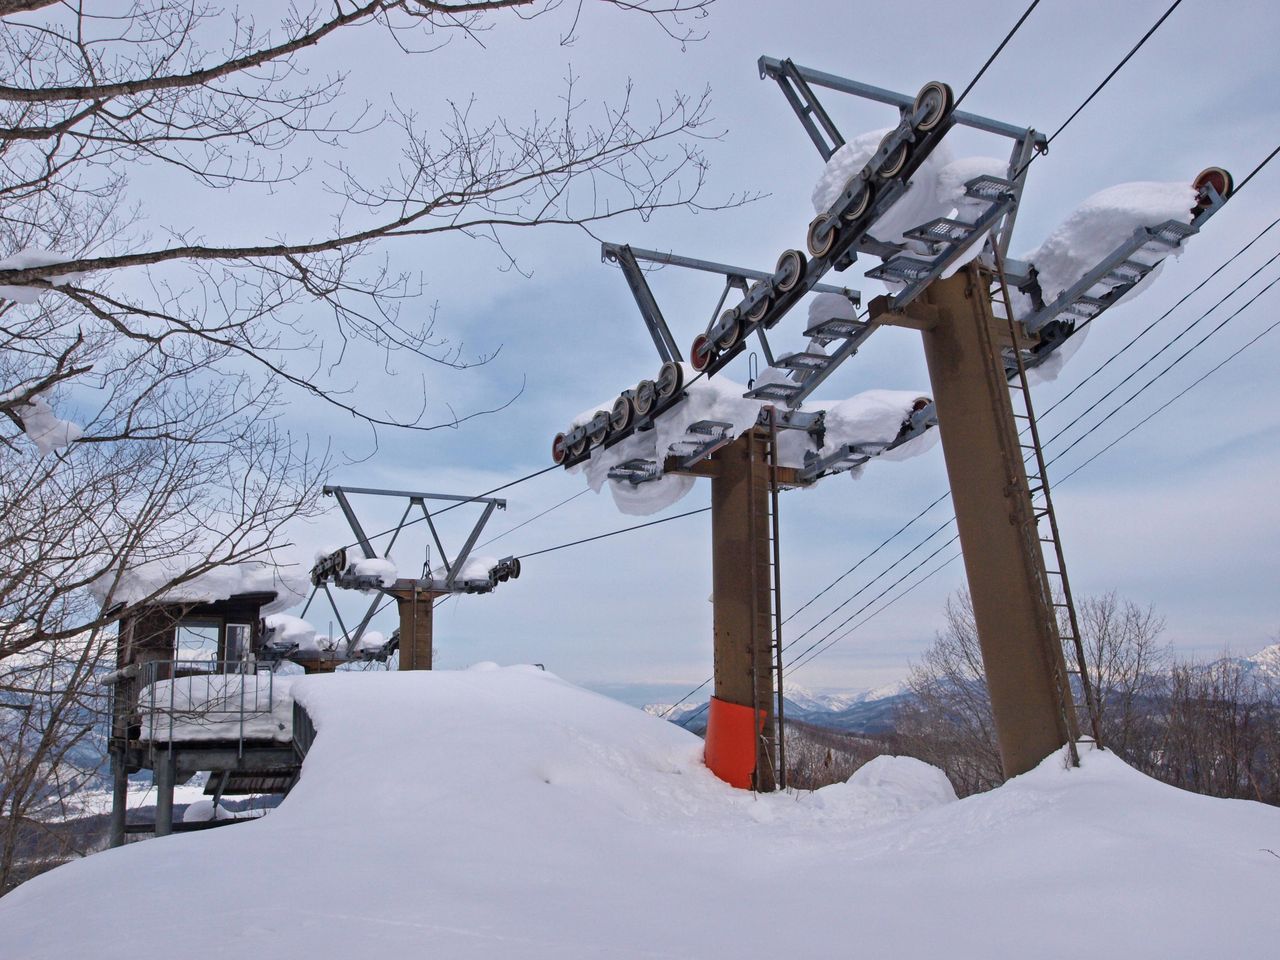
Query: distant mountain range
[
  {"x": 872, "y": 711},
  {"x": 862, "y": 712}
]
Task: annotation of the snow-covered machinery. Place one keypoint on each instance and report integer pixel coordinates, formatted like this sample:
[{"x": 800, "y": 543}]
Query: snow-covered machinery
[
  {"x": 941, "y": 230},
  {"x": 366, "y": 571}
]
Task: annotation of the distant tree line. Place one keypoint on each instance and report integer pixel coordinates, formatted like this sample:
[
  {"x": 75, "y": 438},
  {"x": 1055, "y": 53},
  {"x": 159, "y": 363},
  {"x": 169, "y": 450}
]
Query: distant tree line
[{"x": 1211, "y": 727}]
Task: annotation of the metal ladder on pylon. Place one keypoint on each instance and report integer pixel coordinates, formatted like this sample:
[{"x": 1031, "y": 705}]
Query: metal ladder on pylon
[
  {"x": 772, "y": 747},
  {"x": 1058, "y": 589}
]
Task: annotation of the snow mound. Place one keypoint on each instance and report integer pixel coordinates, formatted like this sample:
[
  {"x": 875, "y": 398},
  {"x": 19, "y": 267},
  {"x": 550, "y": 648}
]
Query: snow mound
[
  {"x": 252, "y": 576},
  {"x": 288, "y": 629},
  {"x": 1101, "y": 224},
  {"x": 505, "y": 813},
  {"x": 380, "y": 567},
  {"x": 887, "y": 788},
  {"x": 202, "y": 811}
]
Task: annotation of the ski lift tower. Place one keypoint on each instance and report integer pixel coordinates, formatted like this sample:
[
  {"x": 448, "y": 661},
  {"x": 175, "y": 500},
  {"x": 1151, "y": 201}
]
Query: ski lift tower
[
  {"x": 415, "y": 597},
  {"x": 978, "y": 353}
]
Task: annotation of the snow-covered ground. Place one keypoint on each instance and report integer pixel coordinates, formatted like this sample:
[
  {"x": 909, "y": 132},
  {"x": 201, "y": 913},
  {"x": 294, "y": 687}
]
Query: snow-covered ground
[{"x": 505, "y": 813}]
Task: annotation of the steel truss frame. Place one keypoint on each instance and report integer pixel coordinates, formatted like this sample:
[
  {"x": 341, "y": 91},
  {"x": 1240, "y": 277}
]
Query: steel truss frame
[{"x": 334, "y": 568}]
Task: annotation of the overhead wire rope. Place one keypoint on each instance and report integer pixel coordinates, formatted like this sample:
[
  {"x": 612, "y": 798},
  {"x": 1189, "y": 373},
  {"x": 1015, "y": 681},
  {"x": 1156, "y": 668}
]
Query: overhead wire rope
[
  {"x": 998, "y": 50},
  {"x": 1098, "y": 89},
  {"x": 798, "y": 661}
]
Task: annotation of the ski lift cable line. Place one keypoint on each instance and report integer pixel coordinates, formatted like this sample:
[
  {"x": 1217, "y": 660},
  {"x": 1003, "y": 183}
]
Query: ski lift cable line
[
  {"x": 870, "y": 583},
  {"x": 998, "y": 50},
  {"x": 879, "y": 610},
  {"x": 1177, "y": 396},
  {"x": 613, "y": 533},
  {"x": 874, "y": 600},
  {"x": 1186, "y": 353},
  {"x": 1235, "y": 353},
  {"x": 1151, "y": 359},
  {"x": 1094, "y": 373},
  {"x": 536, "y": 516},
  {"x": 1105, "y": 80}
]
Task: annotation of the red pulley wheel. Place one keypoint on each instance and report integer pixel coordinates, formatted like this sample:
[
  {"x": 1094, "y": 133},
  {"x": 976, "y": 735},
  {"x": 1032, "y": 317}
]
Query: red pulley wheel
[{"x": 700, "y": 352}]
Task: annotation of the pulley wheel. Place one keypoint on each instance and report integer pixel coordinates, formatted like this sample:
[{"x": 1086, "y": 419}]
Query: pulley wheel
[
  {"x": 892, "y": 165},
  {"x": 1214, "y": 177},
  {"x": 700, "y": 352},
  {"x": 822, "y": 235},
  {"x": 620, "y": 415},
  {"x": 558, "y": 449},
  {"x": 670, "y": 380},
  {"x": 861, "y": 203},
  {"x": 600, "y": 429},
  {"x": 789, "y": 272},
  {"x": 645, "y": 396},
  {"x": 761, "y": 307},
  {"x": 935, "y": 99},
  {"x": 732, "y": 332}
]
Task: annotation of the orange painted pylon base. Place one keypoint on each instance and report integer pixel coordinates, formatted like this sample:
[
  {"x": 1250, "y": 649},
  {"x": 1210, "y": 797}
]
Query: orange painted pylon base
[{"x": 731, "y": 742}]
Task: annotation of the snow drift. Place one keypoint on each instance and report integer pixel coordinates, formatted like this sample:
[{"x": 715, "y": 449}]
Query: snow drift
[{"x": 499, "y": 813}]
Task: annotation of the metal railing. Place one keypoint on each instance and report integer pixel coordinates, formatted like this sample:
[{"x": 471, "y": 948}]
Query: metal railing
[{"x": 209, "y": 701}]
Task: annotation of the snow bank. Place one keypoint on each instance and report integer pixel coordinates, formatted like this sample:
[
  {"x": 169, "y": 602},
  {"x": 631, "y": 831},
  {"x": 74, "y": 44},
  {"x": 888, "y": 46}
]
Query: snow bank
[
  {"x": 875, "y": 416},
  {"x": 252, "y": 576},
  {"x": 1101, "y": 224},
  {"x": 885, "y": 789},
  {"x": 25, "y": 260},
  {"x": 505, "y": 813},
  {"x": 205, "y": 707}
]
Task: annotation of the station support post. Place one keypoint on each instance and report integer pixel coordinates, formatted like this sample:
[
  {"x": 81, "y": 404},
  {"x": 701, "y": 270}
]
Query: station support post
[
  {"x": 415, "y": 608},
  {"x": 1012, "y": 604},
  {"x": 164, "y": 773},
  {"x": 740, "y": 723}
]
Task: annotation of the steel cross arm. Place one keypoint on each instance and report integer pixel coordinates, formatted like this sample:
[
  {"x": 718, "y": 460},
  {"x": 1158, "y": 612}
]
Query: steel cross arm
[
  {"x": 807, "y": 108},
  {"x": 373, "y": 491},
  {"x": 724, "y": 269},
  {"x": 772, "y": 68},
  {"x": 340, "y": 493},
  {"x": 623, "y": 256},
  {"x": 461, "y": 559}
]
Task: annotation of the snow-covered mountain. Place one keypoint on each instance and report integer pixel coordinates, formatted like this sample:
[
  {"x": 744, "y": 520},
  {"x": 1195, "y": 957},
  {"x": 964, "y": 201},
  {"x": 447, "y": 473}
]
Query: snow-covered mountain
[
  {"x": 1265, "y": 663},
  {"x": 862, "y": 711}
]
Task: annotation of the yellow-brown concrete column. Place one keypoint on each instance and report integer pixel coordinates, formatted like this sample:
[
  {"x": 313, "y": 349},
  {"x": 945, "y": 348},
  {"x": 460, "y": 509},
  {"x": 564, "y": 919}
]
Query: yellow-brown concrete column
[
  {"x": 742, "y": 591},
  {"x": 1012, "y": 607},
  {"x": 415, "y": 608}
]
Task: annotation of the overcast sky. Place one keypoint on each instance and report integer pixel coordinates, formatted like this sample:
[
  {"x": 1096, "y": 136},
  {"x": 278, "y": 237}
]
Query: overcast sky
[{"x": 1179, "y": 515}]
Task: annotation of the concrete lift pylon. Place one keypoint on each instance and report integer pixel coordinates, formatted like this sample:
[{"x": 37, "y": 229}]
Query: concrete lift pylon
[{"x": 972, "y": 363}]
